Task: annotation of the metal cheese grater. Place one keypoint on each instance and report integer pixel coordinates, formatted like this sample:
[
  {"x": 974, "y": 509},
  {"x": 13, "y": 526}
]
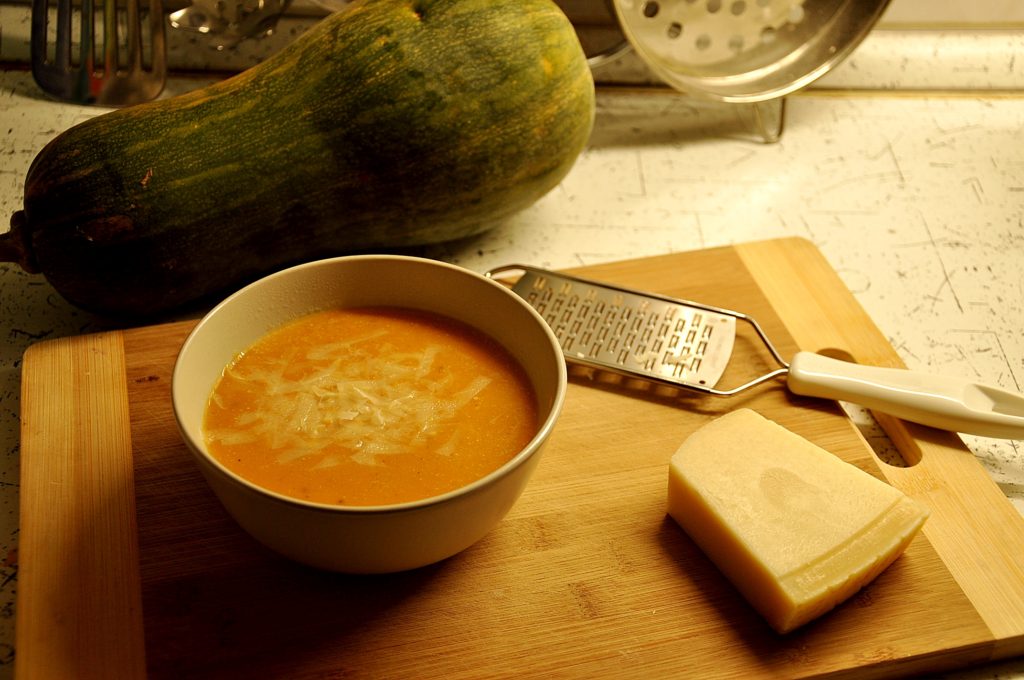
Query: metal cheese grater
[
  {"x": 686, "y": 344},
  {"x": 658, "y": 338}
]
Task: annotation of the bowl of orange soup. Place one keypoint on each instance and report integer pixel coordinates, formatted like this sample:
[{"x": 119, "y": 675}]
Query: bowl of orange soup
[{"x": 371, "y": 413}]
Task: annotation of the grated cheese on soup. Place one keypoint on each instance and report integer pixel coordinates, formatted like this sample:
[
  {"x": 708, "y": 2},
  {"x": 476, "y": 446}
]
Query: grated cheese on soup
[{"x": 370, "y": 406}]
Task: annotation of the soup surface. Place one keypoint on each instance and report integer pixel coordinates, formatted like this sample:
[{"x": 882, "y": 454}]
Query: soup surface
[{"x": 370, "y": 406}]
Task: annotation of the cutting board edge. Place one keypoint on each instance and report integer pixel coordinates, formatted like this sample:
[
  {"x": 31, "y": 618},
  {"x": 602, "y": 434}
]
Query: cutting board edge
[{"x": 92, "y": 367}]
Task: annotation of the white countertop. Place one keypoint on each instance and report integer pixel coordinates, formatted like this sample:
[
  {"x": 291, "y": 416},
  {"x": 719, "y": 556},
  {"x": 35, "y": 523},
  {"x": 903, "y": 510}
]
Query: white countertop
[{"x": 914, "y": 194}]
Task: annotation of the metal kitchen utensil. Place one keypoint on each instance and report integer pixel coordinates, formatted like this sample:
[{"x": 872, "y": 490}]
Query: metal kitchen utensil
[
  {"x": 685, "y": 344},
  {"x": 121, "y": 55},
  {"x": 229, "y": 23},
  {"x": 744, "y": 50},
  {"x": 611, "y": 52}
]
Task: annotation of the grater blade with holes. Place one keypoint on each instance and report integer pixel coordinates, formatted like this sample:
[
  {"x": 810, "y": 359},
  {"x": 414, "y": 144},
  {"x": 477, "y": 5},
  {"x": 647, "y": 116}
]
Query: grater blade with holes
[{"x": 673, "y": 342}]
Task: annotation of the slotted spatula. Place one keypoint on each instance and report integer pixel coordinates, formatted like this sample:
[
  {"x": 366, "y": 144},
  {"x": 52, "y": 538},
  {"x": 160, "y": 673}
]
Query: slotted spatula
[
  {"x": 116, "y": 63},
  {"x": 687, "y": 344}
]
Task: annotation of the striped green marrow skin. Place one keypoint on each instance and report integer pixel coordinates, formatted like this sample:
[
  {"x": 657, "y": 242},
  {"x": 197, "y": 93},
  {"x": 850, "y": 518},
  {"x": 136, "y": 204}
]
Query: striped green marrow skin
[{"x": 394, "y": 123}]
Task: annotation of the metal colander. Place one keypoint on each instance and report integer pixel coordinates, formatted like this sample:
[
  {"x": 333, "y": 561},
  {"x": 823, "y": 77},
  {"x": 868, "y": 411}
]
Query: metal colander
[{"x": 744, "y": 50}]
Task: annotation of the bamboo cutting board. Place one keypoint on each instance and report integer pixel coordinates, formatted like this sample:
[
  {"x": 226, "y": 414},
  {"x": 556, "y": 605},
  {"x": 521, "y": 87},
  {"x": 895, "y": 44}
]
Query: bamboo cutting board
[{"x": 129, "y": 567}]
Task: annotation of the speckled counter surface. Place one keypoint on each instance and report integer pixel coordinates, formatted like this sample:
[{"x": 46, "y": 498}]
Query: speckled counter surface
[{"x": 915, "y": 196}]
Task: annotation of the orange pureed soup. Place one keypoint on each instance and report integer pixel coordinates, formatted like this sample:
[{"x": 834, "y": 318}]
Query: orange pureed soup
[{"x": 370, "y": 406}]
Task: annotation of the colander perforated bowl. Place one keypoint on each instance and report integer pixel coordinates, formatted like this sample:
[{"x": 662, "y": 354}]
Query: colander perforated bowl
[{"x": 744, "y": 50}]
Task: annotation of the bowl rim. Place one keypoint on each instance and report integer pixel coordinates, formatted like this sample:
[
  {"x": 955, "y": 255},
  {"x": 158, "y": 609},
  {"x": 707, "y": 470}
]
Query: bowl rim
[{"x": 544, "y": 429}]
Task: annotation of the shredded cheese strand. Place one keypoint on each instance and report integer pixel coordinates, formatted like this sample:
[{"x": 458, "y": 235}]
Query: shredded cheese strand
[{"x": 369, "y": 403}]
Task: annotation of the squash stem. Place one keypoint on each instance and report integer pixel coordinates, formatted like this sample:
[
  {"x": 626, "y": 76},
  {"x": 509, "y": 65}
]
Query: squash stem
[{"x": 14, "y": 246}]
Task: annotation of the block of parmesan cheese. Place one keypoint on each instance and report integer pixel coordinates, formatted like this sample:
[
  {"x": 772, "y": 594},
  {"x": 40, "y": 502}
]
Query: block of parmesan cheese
[{"x": 795, "y": 529}]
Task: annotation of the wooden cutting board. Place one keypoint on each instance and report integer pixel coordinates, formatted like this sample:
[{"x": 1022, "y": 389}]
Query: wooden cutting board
[{"x": 129, "y": 567}]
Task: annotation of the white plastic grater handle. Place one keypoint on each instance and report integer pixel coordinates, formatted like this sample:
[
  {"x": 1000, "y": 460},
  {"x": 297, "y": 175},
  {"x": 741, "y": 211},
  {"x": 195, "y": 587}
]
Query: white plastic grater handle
[{"x": 938, "y": 401}]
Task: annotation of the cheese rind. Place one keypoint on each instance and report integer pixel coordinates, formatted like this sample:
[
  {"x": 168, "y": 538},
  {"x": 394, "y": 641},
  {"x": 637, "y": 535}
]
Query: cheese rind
[{"x": 793, "y": 527}]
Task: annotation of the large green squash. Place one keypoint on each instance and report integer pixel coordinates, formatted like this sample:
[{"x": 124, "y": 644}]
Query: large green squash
[{"x": 395, "y": 123}]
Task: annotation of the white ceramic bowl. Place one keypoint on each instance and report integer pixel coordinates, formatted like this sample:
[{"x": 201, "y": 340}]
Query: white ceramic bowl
[{"x": 382, "y": 538}]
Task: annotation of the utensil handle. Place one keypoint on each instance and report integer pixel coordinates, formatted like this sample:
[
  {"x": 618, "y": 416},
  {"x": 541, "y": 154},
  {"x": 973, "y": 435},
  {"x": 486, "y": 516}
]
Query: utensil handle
[{"x": 938, "y": 401}]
